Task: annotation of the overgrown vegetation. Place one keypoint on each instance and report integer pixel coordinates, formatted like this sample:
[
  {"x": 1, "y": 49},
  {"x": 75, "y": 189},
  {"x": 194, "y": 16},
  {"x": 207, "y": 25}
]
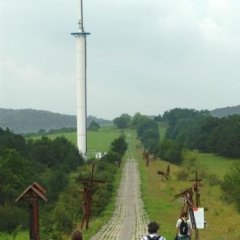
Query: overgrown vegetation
[
  {"x": 22, "y": 162},
  {"x": 231, "y": 185},
  {"x": 49, "y": 162}
]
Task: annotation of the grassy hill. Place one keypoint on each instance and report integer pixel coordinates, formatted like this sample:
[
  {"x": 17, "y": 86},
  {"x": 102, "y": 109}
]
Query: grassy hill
[{"x": 30, "y": 120}]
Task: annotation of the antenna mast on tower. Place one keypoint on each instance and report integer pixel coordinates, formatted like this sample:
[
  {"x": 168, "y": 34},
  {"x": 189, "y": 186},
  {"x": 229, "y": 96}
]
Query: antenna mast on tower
[{"x": 80, "y": 21}]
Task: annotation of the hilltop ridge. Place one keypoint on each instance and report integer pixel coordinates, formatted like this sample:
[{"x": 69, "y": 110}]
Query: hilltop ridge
[
  {"x": 30, "y": 120},
  {"x": 225, "y": 111}
]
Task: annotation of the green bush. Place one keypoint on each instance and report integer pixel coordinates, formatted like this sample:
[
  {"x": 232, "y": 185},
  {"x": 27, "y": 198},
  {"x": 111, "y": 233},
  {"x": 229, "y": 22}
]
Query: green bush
[
  {"x": 213, "y": 180},
  {"x": 11, "y": 217},
  {"x": 231, "y": 185}
]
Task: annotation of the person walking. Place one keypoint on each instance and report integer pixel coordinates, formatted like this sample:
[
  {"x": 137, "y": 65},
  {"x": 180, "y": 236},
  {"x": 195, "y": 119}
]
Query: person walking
[
  {"x": 153, "y": 228},
  {"x": 183, "y": 227}
]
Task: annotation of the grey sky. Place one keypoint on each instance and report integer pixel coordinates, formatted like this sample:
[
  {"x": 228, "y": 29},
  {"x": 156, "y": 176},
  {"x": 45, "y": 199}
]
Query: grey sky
[{"x": 144, "y": 56}]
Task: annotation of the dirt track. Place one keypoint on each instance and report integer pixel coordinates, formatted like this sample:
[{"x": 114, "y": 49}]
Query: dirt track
[{"x": 129, "y": 220}]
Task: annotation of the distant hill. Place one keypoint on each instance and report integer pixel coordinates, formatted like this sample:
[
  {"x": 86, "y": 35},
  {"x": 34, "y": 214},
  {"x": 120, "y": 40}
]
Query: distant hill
[
  {"x": 223, "y": 112},
  {"x": 30, "y": 120}
]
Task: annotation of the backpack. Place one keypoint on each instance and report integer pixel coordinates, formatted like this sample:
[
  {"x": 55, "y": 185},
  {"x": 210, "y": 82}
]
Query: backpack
[
  {"x": 154, "y": 238},
  {"x": 183, "y": 228}
]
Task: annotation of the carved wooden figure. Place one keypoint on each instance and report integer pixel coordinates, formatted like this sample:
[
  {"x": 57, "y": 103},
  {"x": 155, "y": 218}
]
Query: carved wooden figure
[{"x": 166, "y": 174}]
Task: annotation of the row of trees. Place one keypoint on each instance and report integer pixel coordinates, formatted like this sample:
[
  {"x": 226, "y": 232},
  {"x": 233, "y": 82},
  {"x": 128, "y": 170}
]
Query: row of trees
[
  {"x": 147, "y": 129},
  {"x": 208, "y": 134}
]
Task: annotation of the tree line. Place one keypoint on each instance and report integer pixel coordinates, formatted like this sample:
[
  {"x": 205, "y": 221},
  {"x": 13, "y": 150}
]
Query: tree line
[
  {"x": 199, "y": 130},
  {"x": 187, "y": 129},
  {"x": 50, "y": 163}
]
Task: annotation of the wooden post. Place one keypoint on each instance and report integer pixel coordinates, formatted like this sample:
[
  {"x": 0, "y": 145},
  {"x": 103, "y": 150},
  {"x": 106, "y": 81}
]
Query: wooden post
[
  {"x": 197, "y": 198},
  {"x": 31, "y": 194},
  {"x": 147, "y": 159},
  {"x": 34, "y": 219}
]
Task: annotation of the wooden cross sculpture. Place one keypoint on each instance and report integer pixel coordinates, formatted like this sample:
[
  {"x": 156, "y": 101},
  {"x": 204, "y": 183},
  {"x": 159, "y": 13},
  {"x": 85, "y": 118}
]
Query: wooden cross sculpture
[
  {"x": 165, "y": 174},
  {"x": 189, "y": 204},
  {"x": 187, "y": 195},
  {"x": 87, "y": 197},
  {"x": 196, "y": 189}
]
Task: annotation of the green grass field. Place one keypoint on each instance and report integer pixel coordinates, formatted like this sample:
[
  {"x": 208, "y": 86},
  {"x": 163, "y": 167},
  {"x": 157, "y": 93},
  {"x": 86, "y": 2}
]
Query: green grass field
[
  {"x": 96, "y": 140},
  {"x": 100, "y": 140},
  {"x": 215, "y": 164}
]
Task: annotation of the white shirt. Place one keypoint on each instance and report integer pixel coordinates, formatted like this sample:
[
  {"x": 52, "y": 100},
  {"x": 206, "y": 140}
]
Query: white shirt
[
  {"x": 188, "y": 223},
  {"x": 152, "y": 235}
]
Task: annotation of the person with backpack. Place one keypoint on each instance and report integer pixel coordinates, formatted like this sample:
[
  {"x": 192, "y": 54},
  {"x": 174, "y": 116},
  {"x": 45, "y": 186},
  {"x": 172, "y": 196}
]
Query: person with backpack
[
  {"x": 183, "y": 227},
  {"x": 153, "y": 228}
]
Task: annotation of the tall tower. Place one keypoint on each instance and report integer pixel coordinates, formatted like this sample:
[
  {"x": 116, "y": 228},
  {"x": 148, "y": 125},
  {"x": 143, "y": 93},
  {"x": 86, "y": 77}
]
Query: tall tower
[{"x": 81, "y": 67}]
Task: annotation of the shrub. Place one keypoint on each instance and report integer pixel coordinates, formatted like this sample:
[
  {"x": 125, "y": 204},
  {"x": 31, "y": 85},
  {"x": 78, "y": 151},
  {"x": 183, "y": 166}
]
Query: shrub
[
  {"x": 12, "y": 217},
  {"x": 231, "y": 185}
]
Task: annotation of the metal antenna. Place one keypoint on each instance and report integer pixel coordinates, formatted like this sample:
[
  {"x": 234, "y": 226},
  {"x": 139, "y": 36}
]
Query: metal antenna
[{"x": 80, "y": 21}]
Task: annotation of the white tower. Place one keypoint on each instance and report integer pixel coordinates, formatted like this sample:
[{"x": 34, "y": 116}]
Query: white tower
[{"x": 81, "y": 67}]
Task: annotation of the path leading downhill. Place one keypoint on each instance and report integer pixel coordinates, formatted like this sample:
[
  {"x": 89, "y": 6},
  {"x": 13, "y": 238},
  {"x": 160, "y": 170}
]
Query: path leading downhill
[{"x": 129, "y": 220}]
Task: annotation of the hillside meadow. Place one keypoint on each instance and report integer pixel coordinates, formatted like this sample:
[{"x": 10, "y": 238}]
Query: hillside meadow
[
  {"x": 96, "y": 140},
  {"x": 222, "y": 219}
]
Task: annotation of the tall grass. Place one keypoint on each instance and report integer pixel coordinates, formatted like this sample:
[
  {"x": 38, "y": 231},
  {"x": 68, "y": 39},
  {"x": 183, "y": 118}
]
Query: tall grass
[
  {"x": 222, "y": 219},
  {"x": 215, "y": 164}
]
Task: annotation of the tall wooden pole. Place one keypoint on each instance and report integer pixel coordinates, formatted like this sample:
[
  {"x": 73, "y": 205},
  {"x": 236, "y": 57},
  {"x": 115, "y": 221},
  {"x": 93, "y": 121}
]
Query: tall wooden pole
[
  {"x": 34, "y": 219},
  {"x": 197, "y": 199}
]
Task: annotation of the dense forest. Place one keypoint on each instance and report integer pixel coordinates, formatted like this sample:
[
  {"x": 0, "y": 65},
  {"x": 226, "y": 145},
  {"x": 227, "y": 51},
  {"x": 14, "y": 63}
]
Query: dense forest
[
  {"x": 50, "y": 163},
  {"x": 198, "y": 130}
]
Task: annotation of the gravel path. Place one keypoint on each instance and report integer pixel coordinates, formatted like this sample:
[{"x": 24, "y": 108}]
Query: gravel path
[{"x": 129, "y": 221}]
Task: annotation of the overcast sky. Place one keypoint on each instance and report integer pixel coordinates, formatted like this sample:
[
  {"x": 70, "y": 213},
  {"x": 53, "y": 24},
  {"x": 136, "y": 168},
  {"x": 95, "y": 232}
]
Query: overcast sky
[{"x": 144, "y": 56}]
